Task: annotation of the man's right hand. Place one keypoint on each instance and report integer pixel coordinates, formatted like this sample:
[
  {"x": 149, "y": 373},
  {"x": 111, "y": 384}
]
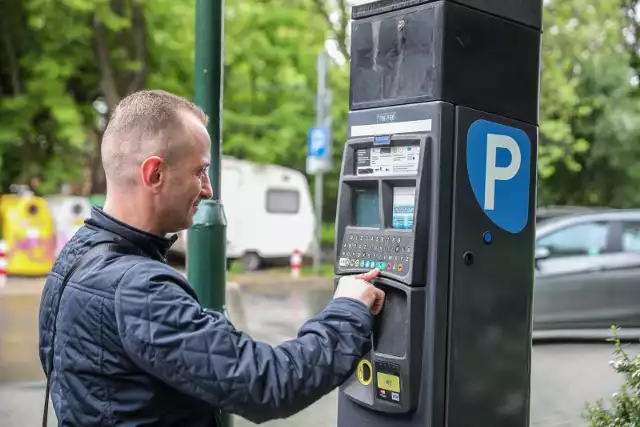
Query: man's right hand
[{"x": 359, "y": 288}]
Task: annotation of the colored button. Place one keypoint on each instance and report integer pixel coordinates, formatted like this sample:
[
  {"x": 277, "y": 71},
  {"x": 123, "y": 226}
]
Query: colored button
[
  {"x": 388, "y": 382},
  {"x": 388, "y": 266},
  {"x": 488, "y": 238},
  {"x": 400, "y": 267}
]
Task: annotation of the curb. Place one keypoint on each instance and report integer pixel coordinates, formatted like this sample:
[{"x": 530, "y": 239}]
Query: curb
[{"x": 23, "y": 385}]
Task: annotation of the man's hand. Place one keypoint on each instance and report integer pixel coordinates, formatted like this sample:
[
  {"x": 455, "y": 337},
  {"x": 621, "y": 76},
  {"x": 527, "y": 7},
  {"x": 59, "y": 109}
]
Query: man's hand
[{"x": 359, "y": 288}]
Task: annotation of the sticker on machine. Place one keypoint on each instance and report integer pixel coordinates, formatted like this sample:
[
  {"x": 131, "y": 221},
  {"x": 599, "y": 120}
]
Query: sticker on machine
[
  {"x": 388, "y": 387},
  {"x": 403, "y": 207},
  {"x": 499, "y": 169},
  {"x": 388, "y": 160}
]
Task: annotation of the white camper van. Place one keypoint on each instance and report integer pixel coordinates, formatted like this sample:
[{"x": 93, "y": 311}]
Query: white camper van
[{"x": 269, "y": 213}]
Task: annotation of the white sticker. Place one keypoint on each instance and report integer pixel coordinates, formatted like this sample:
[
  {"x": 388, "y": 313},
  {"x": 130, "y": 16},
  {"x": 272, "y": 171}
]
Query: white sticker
[{"x": 388, "y": 160}]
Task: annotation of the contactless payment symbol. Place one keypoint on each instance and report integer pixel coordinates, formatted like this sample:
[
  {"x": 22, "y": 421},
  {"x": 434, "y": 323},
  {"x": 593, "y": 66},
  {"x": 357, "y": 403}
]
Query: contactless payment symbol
[{"x": 498, "y": 164}]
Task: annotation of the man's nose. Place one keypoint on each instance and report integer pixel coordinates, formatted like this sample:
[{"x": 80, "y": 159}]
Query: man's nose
[{"x": 207, "y": 191}]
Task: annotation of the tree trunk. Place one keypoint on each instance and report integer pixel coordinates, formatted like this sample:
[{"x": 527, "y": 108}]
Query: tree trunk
[{"x": 114, "y": 83}]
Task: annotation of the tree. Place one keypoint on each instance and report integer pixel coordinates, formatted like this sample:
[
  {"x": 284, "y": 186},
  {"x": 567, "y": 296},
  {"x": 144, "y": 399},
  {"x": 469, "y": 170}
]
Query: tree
[
  {"x": 589, "y": 113},
  {"x": 270, "y": 85},
  {"x": 60, "y": 57}
]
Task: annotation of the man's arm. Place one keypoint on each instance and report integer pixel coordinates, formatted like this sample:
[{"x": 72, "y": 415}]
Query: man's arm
[{"x": 165, "y": 332}]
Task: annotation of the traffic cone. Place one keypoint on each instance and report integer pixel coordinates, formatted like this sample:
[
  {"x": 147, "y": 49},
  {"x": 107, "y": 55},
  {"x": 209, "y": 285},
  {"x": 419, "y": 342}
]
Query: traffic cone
[{"x": 296, "y": 263}]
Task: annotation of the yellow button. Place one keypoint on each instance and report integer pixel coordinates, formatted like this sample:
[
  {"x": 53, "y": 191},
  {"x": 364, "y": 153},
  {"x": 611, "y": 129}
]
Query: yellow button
[
  {"x": 388, "y": 382},
  {"x": 364, "y": 372}
]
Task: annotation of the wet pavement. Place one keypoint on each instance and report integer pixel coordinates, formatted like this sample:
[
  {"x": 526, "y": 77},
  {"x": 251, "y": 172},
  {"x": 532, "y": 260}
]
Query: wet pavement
[{"x": 272, "y": 309}]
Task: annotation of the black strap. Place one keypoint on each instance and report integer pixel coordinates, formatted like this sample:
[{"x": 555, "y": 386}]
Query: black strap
[{"x": 99, "y": 248}]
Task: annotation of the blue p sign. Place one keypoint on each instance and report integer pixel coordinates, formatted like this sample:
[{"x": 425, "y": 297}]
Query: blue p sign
[{"x": 498, "y": 164}]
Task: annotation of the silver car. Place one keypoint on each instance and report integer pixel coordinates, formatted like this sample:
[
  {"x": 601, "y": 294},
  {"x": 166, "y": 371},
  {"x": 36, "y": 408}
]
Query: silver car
[{"x": 587, "y": 275}]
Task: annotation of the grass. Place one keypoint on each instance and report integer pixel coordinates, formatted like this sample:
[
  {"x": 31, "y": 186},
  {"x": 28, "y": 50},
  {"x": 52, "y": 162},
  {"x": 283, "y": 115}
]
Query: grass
[{"x": 325, "y": 270}]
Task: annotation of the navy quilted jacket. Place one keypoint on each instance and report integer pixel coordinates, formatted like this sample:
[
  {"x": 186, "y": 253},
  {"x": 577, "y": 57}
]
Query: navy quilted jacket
[{"x": 134, "y": 347}]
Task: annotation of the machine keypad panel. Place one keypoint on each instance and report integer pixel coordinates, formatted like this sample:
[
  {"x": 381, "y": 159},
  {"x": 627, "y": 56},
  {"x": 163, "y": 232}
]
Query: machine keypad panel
[{"x": 373, "y": 249}]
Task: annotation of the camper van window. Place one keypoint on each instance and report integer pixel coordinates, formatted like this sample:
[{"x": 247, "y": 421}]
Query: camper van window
[{"x": 283, "y": 201}]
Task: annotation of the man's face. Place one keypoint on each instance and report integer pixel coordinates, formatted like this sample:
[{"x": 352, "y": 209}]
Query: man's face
[{"x": 187, "y": 180}]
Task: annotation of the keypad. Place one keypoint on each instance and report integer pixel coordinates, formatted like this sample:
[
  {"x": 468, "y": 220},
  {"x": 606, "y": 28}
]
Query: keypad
[{"x": 371, "y": 250}]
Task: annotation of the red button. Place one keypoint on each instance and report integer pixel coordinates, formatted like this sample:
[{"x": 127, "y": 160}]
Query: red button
[{"x": 388, "y": 266}]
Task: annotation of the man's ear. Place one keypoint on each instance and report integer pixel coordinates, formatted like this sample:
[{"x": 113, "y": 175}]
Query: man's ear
[{"x": 153, "y": 172}]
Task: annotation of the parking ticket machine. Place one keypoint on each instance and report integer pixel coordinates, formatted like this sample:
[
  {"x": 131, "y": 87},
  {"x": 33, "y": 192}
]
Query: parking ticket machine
[{"x": 437, "y": 190}]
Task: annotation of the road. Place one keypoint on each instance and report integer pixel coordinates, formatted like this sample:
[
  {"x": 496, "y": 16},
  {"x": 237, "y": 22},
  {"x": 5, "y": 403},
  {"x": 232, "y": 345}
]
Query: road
[{"x": 564, "y": 376}]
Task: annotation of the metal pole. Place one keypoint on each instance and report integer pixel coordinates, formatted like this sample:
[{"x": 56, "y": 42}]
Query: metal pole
[
  {"x": 318, "y": 193},
  {"x": 321, "y": 99},
  {"x": 206, "y": 238}
]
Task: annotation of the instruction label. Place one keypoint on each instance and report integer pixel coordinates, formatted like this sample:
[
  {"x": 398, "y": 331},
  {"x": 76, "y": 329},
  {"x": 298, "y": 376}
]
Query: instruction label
[
  {"x": 388, "y": 160},
  {"x": 388, "y": 382}
]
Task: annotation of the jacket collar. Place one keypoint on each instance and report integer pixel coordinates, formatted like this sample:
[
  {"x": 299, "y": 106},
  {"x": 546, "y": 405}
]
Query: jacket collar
[{"x": 155, "y": 246}]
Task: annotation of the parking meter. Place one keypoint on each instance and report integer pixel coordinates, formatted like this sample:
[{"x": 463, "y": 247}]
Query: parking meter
[{"x": 437, "y": 190}]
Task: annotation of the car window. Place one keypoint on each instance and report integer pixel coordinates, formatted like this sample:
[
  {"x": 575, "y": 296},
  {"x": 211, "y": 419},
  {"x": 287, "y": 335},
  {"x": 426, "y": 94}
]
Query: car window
[
  {"x": 582, "y": 239},
  {"x": 631, "y": 237}
]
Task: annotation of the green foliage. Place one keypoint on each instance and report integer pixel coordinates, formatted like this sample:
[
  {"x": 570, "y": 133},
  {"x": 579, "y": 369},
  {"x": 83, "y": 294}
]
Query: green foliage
[
  {"x": 270, "y": 84},
  {"x": 52, "y": 70},
  {"x": 327, "y": 235},
  {"x": 47, "y": 114},
  {"x": 58, "y": 58},
  {"x": 589, "y": 107},
  {"x": 624, "y": 410}
]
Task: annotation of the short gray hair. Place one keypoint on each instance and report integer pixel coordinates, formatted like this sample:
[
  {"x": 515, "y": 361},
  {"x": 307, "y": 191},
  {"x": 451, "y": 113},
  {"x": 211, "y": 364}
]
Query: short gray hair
[{"x": 143, "y": 124}]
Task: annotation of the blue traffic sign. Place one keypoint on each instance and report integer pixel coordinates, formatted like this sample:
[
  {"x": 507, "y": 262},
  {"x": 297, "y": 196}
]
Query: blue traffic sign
[
  {"x": 499, "y": 165},
  {"x": 317, "y": 142}
]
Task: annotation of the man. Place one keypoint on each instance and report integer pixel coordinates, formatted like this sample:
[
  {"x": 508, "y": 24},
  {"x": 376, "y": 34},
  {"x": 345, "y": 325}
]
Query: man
[{"x": 132, "y": 344}]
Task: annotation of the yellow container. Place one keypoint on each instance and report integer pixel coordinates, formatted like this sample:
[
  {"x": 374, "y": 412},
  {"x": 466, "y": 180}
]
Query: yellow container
[{"x": 28, "y": 229}]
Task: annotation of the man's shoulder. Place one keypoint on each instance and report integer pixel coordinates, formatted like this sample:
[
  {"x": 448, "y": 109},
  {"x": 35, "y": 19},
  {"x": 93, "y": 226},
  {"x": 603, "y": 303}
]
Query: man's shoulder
[
  {"x": 148, "y": 275},
  {"x": 140, "y": 266},
  {"x": 120, "y": 263}
]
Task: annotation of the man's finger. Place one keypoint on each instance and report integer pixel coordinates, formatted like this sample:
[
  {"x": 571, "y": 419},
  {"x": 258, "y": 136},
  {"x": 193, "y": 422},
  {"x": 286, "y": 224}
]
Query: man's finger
[
  {"x": 369, "y": 274},
  {"x": 378, "y": 302}
]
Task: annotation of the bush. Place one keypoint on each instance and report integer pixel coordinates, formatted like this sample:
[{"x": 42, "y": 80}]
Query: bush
[
  {"x": 327, "y": 235},
  {"x": 624, "y": 410}
]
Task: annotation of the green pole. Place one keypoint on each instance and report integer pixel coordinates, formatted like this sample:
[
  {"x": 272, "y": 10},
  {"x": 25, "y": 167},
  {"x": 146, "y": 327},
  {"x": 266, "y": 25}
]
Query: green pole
[{"x": 206, "y": 238}]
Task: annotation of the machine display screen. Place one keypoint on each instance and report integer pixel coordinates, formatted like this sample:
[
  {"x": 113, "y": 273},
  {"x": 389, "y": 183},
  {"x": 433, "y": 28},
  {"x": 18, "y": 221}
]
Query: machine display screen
[
  {"x": 367, "y": 208},
  {"x": 404, "y": 200}
]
